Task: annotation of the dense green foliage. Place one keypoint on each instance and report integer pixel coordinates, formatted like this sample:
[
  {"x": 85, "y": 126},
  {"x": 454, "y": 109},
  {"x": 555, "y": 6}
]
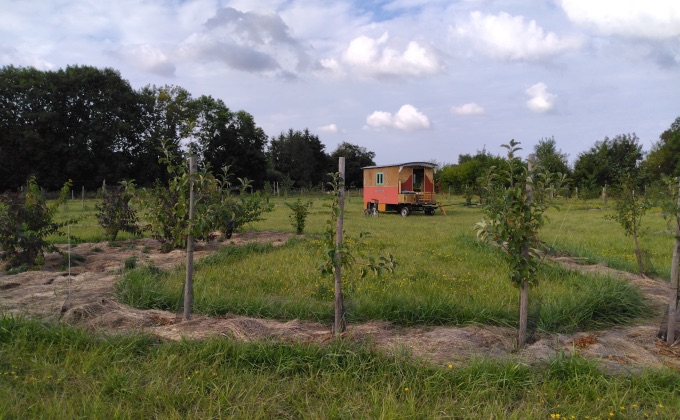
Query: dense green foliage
[
  {"x": 466, "y": 176},
  {"x": 299, "y": 156},
  {"x": 356, "y": 157},
  {"x": 549, "y": 158},
  {"x": 55, "y": 371},
  {"x": 166, "y": 208},
  {"x": 89, "y": 125},
  {"x": 79, "y": 123},
  {"x": 606, "y": 163},
  {"x": 114, "y": 214},
  {"x": 26, "y": 220},
  {"x": 663, "y": 158}
]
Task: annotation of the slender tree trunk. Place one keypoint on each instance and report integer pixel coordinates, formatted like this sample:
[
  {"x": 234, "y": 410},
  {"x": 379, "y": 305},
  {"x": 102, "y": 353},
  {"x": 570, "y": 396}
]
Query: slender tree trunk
[
  {"x": 638, "y": 251},
  {"x": 675, "y": 279},
  {"x": 189, "y": 282},
  {"x": 339, "y": 325}
]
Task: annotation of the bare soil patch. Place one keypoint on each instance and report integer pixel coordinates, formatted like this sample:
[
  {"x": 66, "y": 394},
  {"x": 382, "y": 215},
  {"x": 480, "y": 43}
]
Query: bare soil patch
[{"x": 85, "y": 297}]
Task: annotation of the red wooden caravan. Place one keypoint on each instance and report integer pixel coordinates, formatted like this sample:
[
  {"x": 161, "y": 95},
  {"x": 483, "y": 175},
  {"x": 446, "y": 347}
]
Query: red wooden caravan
[{"x": 404, "y": 188}]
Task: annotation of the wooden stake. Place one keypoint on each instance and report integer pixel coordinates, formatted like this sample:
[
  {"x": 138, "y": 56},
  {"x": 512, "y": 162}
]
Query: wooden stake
[
  {"x": 339, "y": 304},
  {"x": 189, "y": 283},
  {"x": 524, "y": 286},
  {"x": 675, "y": 278}
]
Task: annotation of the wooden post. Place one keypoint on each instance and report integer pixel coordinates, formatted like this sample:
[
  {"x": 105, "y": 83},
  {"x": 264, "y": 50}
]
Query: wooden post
[
  {"x": 675, "y": 278},
  {"x": 524, "y": 287},
  {"x": 339, "y": 326},
  {"x": 189, "y": 283},
  {"x": 604, "y": 195},
  {"x": 82, "y": 196}
]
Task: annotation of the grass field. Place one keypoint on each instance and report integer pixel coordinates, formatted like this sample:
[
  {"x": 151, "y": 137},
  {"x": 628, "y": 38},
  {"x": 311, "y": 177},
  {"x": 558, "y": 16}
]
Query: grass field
[
  {"x": 55, "y": 371},
  {"x": 579, "y": 228},
  {"x": 444, "y": 276}
]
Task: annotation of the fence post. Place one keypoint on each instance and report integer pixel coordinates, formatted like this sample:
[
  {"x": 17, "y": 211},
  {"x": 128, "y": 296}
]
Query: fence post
[
  {"x": 189, "y": 283},
  {"x": 339, "y": 304},
  {"x": 82, "y": 196},
  {"x": 524, "y": 286},
  {"x": 675, "y": 277}
]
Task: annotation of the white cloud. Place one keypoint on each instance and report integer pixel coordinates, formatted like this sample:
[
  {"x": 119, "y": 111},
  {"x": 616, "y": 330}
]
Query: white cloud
[
  {"x": 408, "y": 118},
  {"x": 541, "y": 100},
  {"x": 649, "y": 19},
  {"x": 468, "y": 109},
  {"x": 509, "y": 37},
  {"x": 330, "y": 128},
  {"x": 375, "y": 58},
  {"x": 379, "y": 119}
]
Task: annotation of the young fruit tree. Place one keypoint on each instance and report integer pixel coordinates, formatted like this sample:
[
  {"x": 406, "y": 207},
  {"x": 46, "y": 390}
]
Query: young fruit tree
[
  {"x": 671, "y": 210},
  {"x": 516, "y": 197},
  {"x": 342, "y": 254},
  {"x": 25, "y": 222},
  {"x": 165, "y": 207},
  {"x": 629, "y": 210}
]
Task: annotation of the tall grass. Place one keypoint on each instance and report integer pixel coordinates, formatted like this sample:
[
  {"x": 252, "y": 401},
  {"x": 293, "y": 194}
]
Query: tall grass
[
  {"x": 55, "y": 371},
  {"x": 458, "y": 283}
]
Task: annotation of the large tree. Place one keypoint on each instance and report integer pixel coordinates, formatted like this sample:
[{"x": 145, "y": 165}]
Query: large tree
[
  {"x": 607, "y": 162},
  {"x": 77, "y": 123},
  {"x": 231, "y": 139},
  {"x": 356, "y": 157},
  {"x": 169, "y": 118},
  {"x": 549, "y": 158},
  {"x": 664, "y": 158},
  {"x": 300, "y": 156}
]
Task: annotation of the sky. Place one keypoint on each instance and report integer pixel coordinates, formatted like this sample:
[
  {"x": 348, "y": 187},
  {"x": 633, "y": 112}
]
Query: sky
[{"x": 411, "y": 80}]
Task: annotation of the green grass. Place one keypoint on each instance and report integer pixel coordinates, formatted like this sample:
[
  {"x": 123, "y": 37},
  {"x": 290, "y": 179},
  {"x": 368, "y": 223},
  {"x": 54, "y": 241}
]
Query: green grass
[
  {"x": 580, "y": 229},
  {"x": 444, "y": 276},
  {"x": 55, "y": 371}
]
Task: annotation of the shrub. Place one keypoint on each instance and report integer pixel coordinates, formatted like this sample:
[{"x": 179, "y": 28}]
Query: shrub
[
  {"x": 115, "y": 214},
  {"x": 166, "y": 207},
  {"x": 298, "y": 215},
  {"x": 25, "y": 221}
]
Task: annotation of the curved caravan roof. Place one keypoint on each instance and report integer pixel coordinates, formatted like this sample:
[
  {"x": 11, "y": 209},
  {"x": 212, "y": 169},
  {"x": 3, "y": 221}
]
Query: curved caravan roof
[{"x": 401, "y": 165}]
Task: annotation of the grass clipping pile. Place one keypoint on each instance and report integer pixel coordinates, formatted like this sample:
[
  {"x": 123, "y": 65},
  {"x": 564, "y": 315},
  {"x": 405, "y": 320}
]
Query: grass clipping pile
[{"x": 85, "y": 296}]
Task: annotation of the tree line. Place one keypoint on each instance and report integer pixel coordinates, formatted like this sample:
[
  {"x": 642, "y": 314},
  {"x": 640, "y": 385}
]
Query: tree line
[
  {"x": 606, "y": 164},
  {"x": 90, "y": 126}
]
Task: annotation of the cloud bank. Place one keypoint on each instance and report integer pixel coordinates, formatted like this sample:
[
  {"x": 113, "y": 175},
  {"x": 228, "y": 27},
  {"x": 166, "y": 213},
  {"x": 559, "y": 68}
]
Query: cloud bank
[
  {"x": 375, "y": 58},
  {"x": 508, "y": 37}
]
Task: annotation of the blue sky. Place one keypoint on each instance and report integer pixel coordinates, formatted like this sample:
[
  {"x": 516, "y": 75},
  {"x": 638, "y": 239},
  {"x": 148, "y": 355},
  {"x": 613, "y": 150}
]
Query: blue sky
[{"x": 408, "y": 79}]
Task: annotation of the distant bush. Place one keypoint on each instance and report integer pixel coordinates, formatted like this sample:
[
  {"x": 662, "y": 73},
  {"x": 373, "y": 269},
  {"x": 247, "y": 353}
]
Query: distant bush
[{"x": 115, "y": 214}]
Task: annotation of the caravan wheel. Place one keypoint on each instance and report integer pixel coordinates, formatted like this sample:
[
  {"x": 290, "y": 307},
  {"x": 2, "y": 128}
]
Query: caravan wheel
[{"x": 405, "y": 211}]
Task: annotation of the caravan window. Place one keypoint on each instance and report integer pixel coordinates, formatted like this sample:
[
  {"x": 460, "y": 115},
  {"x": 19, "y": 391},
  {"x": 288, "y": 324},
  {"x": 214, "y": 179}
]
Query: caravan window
[{"x": 379, "y": 178}]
